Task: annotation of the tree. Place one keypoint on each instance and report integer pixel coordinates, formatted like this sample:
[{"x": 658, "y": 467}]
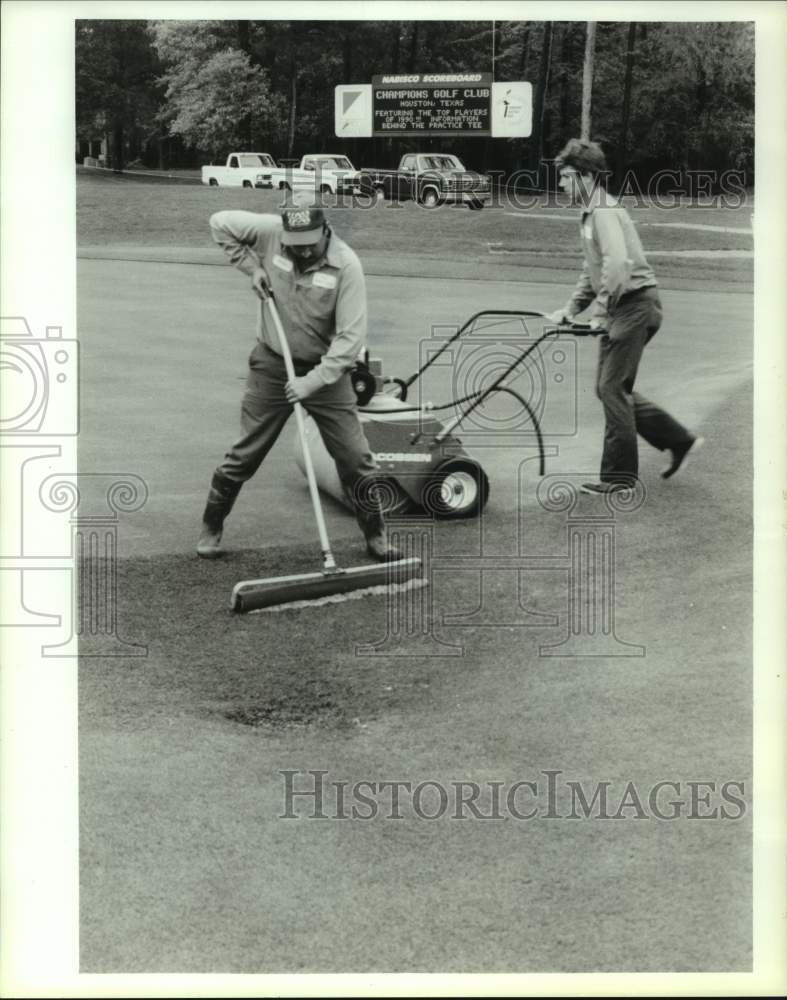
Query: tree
[
  {"x": 539, "y": 104},
  {"x": 693, "y": 106},
  {"x": 115, "y": 84},
  {"x": 587, "y": 78},
  {"x": 625, "y": 113},
  {"x": 685, "y": 99},
  {"x": 215, "y": 99}
]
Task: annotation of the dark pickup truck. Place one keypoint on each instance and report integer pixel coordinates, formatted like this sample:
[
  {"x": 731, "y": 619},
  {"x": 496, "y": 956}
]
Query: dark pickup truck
[{"x": 429, "y": 178}]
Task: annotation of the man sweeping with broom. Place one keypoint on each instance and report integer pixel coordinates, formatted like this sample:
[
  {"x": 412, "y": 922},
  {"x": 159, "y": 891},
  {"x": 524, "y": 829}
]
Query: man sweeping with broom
[{"x": 317, "y": 285}]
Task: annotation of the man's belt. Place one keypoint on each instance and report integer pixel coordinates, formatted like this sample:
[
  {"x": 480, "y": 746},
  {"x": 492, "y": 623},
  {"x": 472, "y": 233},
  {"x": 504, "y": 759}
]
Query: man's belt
[
  {"x": 628, "y": 296},
  {"x": 301, "y": 367}
]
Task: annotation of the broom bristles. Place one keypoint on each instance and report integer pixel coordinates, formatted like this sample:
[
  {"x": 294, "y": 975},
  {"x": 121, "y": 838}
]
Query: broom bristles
[{"x": 351, "y": 595}]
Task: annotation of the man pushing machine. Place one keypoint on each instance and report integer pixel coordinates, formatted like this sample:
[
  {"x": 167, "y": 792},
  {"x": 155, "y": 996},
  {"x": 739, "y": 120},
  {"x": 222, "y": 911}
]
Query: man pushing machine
[{"x": 626, "y": 312}]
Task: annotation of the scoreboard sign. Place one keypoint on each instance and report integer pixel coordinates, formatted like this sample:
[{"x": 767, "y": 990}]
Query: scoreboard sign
[{"x": 434, "y": 104}]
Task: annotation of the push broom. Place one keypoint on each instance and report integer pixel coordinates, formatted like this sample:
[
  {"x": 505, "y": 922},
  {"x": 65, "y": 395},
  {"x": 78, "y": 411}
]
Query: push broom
[{"x": 332, "y": 580}]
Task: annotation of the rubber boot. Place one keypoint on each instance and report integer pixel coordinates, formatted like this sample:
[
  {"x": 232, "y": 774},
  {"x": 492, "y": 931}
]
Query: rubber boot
[
  {"x": 377, "y": 544},
  {"x": 223, "y": 493}
]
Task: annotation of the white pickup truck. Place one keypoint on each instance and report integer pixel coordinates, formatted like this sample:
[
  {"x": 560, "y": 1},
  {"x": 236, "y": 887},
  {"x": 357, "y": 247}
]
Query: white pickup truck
[
  {"x": 239, "y": 171},
  {"x": 327, "y": 173}
]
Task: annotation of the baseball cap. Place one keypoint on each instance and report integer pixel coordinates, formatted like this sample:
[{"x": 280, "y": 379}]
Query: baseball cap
[{"x": 302, "y": 224}]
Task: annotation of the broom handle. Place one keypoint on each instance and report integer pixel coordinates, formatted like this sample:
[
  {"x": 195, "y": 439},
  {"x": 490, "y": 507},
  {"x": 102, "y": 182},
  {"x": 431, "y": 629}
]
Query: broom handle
[{"x": 329, "y": 563}]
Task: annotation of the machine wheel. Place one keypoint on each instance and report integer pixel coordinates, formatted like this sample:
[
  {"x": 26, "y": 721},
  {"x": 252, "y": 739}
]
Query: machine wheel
[
  {"x": 457, "y": 488},
  {"x": 213, "y": 183},
  {"x": 363, "y": 382}
]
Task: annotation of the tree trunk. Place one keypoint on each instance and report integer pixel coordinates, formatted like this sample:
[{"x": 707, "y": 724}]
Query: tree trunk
[
  {"x": 626, "y": 111},
  {"x": 563, "y": 32},
  {"x": 396, "y": 43},
  {"x": 347, "y": 52},
  {"x": 521, "y": 144},
  {"x": 396, "y": 35},
  {"x": 525, "y": 50},
  {"x": 293, "y": 96},
  {"x": 117, "y": 146},
  {"x": 587, "y": 78},
  {"x": 536, "y": 145},
  {"x": 413, "y": 49},
  {"x": 245, "y": 123}
]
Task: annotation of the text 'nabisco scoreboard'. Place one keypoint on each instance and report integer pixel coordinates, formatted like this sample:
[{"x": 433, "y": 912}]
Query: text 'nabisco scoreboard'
[{"x": 434, "y": 104}]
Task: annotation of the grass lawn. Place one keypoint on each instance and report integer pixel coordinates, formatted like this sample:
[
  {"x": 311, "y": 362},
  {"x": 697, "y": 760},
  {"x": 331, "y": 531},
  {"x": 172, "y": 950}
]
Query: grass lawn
[
  {"x": 185, "y": 863},
  {"x": 127, "y": 211}
]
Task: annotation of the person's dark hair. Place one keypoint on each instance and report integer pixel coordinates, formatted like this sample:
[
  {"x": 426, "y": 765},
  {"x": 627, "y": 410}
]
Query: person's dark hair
[{"x": 585, "y": 157}]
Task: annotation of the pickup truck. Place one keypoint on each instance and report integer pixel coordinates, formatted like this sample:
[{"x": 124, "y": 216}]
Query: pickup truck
[
  {"x": 239, "y": 171},
  {"x": 323, "y": 172},
  {"x": 431, "y": 179}
]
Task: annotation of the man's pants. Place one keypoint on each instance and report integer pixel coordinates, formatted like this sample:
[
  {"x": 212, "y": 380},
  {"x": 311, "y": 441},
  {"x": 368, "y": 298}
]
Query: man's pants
[
  {"x": 264, "y": 412},
  {"x": 632, "y": 324}
]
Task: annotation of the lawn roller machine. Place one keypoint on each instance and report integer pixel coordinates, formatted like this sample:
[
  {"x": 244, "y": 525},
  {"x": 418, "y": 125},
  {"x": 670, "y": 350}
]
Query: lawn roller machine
[{"x": 423, "y": 464}]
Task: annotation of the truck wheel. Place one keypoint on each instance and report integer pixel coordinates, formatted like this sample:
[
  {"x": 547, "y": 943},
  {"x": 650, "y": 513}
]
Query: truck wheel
[
  {"x": 284, "y": 186},
  {"x": 379, "y": 193},
  {"x": 430, "y": 197},
  {"x": 325, "y": 189},
  {"x": 475, "y": 206},
  {"x": 247, "y": 184},
  {"x": 213, "y": 182}
]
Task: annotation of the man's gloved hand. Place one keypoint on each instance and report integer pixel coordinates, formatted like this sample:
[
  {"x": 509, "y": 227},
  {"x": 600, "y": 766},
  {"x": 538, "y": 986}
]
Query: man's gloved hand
[
  {"x": 558, "y": 317},
  {"x": 598, "y": 325},
  {"x": 297, "y": 389},
  {"x": 260, "y": 283}
]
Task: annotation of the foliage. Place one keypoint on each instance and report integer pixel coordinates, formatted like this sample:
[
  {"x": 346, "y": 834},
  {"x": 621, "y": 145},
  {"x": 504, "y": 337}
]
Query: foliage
[
  {"x": 215, "y": 99},
  {"x": 269, "y": 84},
  {"x": 115, "y": 77}
]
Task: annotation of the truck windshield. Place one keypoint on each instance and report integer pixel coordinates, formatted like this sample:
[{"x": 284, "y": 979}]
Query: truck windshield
[
  {"x": 256, "y": 160},
  {"x": 334, "y": 162},
  {"x": 441, "y": 163}
]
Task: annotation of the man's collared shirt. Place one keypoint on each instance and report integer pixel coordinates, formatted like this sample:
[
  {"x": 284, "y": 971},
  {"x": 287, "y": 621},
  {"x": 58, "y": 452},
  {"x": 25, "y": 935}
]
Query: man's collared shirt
[
  {"x": 322, "y": 308},
  {"x": 615, "y": 262}
]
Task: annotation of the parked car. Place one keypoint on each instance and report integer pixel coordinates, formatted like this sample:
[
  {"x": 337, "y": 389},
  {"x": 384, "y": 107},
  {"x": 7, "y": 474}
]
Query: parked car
[
  {"x": 240, "y": 170},
  {"x": 323, "y": 172},
  {"x": 429, "y": 178}
]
